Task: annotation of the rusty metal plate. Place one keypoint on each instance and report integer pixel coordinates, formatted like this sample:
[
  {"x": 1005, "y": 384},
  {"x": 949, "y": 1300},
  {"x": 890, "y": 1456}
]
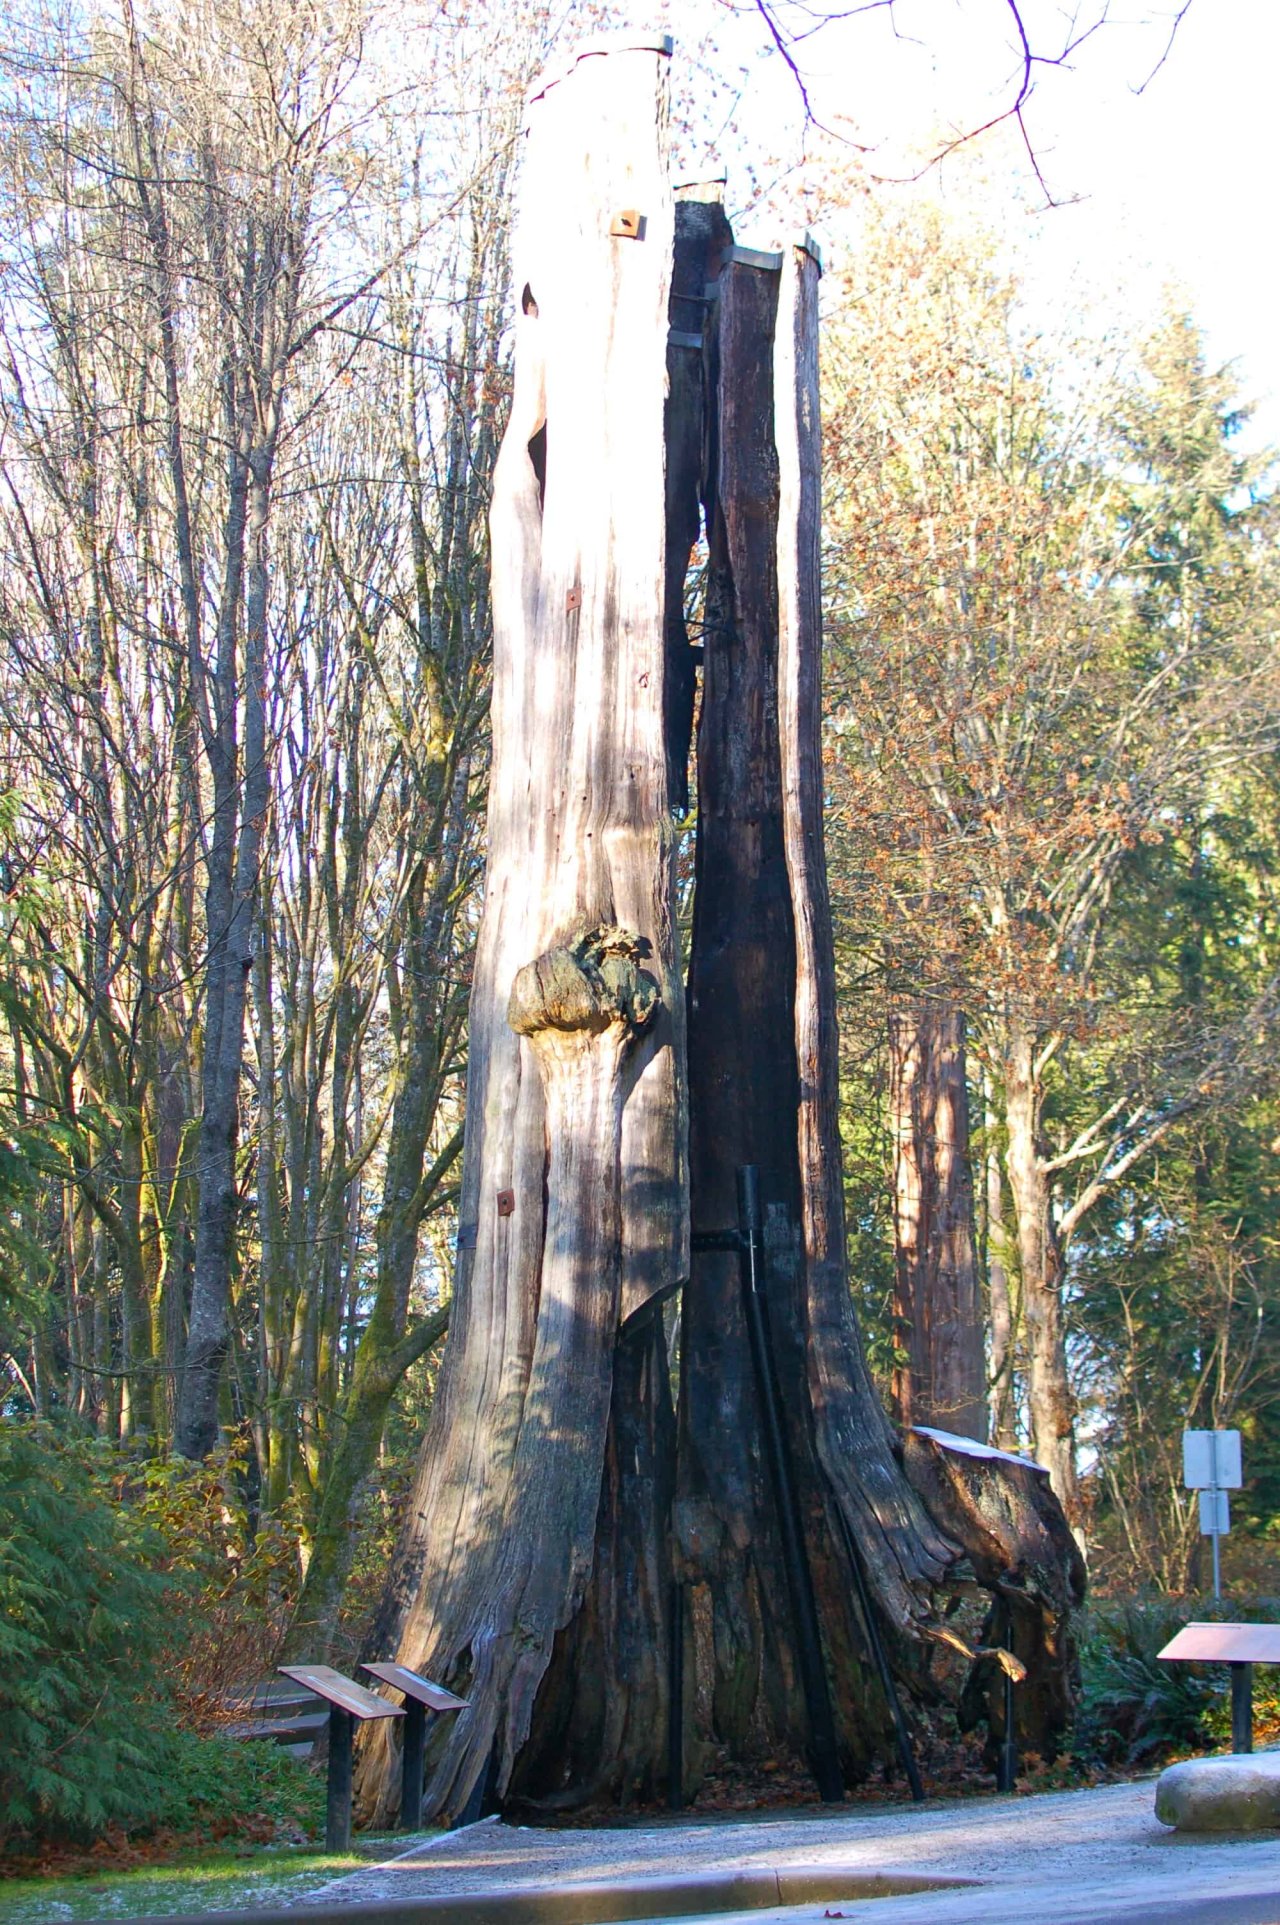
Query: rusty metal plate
[
  {"x": 1226, "y": 1644},
  {"x": 344, "y": 1692},
  {"x": 434, "y": 1696}
]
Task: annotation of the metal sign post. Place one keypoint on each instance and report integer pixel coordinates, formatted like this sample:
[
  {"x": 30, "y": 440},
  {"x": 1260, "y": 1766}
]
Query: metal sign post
[
  {"x": 420, "y": 1696},
  {"x": 1211, "y": 1465},
  {"x": 1240, "y": 1647}
]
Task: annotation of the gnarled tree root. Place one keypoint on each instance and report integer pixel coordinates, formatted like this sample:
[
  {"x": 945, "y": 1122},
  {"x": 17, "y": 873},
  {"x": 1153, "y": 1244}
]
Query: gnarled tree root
[{"x": 1020, "y": 1548}]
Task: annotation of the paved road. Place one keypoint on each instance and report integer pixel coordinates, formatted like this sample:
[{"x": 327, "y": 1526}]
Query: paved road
[
  {"x": 1065, "y": 1858},
  {"x": 1226, "y": 1911}
]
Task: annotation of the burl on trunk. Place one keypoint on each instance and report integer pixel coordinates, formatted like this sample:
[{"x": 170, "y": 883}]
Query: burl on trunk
[{"x": 665, "y": 387}]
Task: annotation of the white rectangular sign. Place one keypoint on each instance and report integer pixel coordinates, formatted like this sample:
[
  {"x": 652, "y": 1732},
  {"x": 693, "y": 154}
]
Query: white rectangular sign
[
  {"x": 1211, "y": 1458},
  {"x": 1215, "y": 1513}
]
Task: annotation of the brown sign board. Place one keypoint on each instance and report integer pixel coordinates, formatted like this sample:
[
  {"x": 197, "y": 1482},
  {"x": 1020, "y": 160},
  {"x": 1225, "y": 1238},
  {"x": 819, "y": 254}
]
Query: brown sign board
[
  {"x": 1226, "y": 1644},
  {"x": 343, "y": 1692},
  {"x": 434, "y": 1696}
]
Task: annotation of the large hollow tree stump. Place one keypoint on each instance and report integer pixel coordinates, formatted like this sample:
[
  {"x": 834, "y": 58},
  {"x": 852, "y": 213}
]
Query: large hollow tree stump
[{"x": 665, "y": 386}]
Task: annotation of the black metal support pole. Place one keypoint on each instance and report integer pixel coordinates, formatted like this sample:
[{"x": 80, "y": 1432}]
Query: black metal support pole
[
  {"x": 415, "y": 1734},
  {"x": 675, "y": 1700},
  {"x": 1242, "y": 1707},
  {"x": 337, "y": 1824},
  {"x": 906, "y": 1755},
  {"x": 1007, "y": 1767},
  {"x": 825, "y": 1759}
]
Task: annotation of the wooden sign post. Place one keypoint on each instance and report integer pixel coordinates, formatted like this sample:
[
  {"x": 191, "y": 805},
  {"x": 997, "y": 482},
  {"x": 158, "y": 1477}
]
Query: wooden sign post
[{"x": 349, "y": 1703}]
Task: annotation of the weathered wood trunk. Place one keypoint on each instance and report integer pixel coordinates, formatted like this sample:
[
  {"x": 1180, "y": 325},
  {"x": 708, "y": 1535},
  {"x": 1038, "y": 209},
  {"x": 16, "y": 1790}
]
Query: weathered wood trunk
[
  {"x": 937, "y": 1302},
  {"x": 573, "y": 1213},
  {"x": 1021, "y": 1550},
  {"x": 762, "y": 1068},
  {"x": 557, "y": 1495},
  {"x": 743, "y": 1081}
]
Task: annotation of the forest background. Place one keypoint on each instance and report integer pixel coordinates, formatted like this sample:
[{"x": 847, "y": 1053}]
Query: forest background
[{"x": 253, "y": 371}]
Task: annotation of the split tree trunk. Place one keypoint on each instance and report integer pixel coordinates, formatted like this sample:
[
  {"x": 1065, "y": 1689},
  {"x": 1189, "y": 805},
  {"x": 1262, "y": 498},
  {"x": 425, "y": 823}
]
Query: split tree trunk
[
  {"x": 554, "y": 1496},
  {"x": 572, "y": 1211},
  {"x": 762, "y": 1071},
  {"x": 937, "y": 1302}
]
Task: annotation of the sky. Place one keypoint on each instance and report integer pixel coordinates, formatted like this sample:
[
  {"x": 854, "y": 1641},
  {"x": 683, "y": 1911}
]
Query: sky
[{"x": 1161, "y": 178}]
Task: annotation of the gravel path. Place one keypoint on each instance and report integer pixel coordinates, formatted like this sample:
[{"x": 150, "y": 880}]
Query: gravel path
[{"x": 1065, "y": 1858}]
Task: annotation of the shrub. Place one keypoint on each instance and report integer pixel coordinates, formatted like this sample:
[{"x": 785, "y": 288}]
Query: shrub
[
  {"x": 1133, "y": 1705},
  {"x": 237, "y": 1575},
  {"x": 90, "y": 1601},
  {"x": 221, "y": 1787}
]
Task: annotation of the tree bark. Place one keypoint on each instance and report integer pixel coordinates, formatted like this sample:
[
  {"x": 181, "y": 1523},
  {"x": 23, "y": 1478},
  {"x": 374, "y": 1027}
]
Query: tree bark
[
  {"x": 241, "y": 790},
  {"x": 937, "y": 1305},
  {"x": 763, "y": 1070},
  {"x": 572, "y": 1210},
  {"x": 1049, "y": 1395},
  {"x": 743, "y": 1083},
  {"x": 1005, "y": 1312},
  {"x": 1003, "y": 1509},
  {"x": 532, "y": 1570}
]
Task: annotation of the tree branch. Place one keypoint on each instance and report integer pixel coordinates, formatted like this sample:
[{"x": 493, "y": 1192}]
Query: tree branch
[{"x": 416, "y": 1342}]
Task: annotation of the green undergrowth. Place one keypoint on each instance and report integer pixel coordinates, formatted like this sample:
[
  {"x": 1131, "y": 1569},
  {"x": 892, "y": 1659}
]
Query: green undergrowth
[
  {"x": 101, "y": 1595},
  {"x": 1136, "y": 1709}
]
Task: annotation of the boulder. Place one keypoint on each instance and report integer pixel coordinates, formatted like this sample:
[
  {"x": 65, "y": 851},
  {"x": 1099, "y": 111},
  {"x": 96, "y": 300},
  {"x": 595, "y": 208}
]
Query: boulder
[{"x": 1237, "y": 1793}]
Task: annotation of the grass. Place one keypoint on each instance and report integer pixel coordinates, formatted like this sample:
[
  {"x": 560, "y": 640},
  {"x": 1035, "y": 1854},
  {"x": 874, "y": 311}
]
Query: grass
[{"x": 216, "y": 1880}]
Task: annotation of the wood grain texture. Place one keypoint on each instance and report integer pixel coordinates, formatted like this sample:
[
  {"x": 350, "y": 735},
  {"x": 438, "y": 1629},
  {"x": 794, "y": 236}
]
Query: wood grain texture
[
  {"x": 1021, "y": 1551},
  {"x": 763, "y": 1075},
  {"x": 579, "y": 1120}
]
